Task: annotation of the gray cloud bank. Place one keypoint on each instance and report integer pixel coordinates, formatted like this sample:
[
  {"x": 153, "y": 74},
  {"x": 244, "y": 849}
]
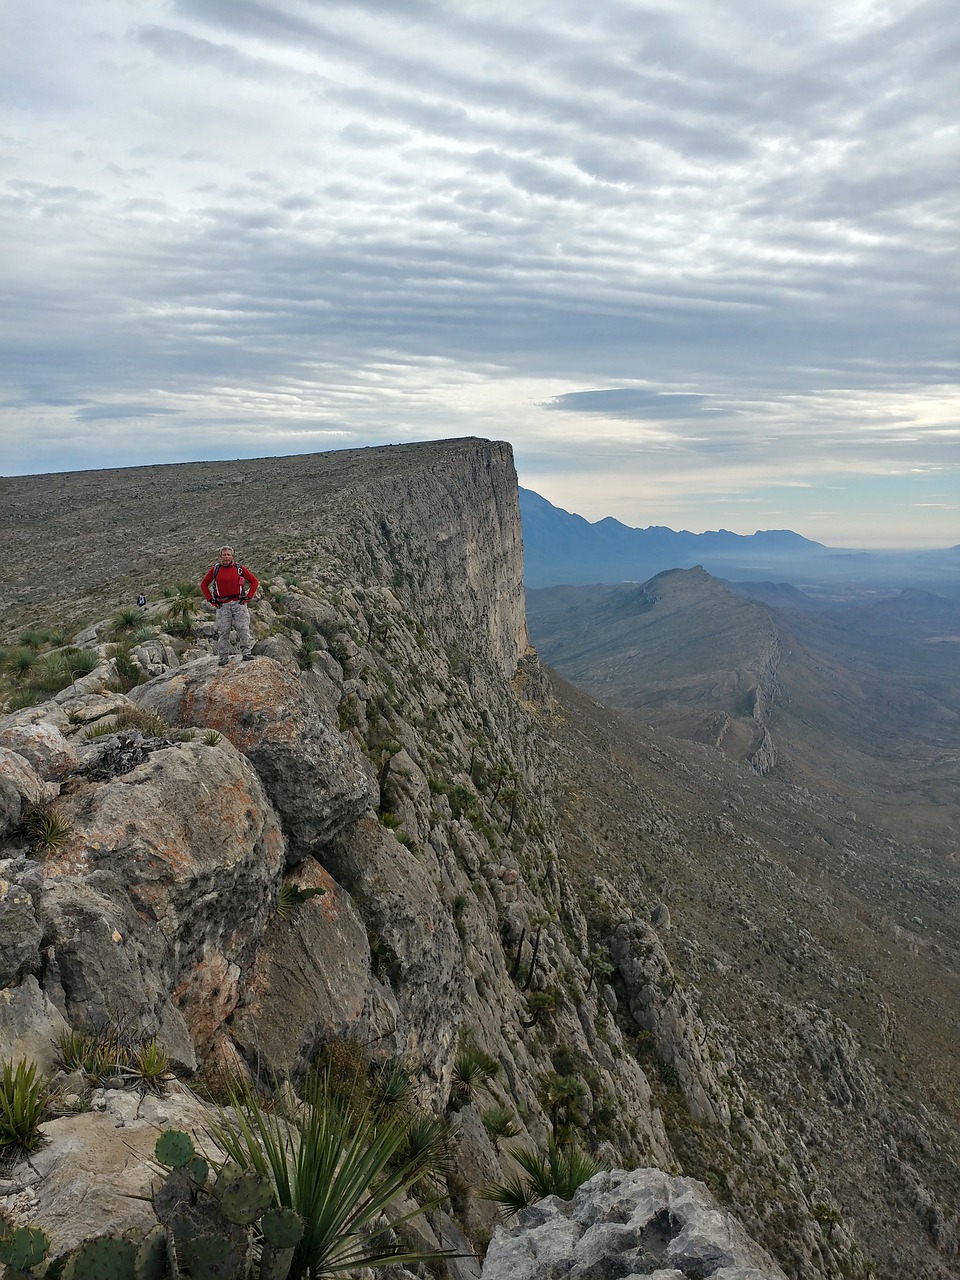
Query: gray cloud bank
[{"x": 717, "y": 237}]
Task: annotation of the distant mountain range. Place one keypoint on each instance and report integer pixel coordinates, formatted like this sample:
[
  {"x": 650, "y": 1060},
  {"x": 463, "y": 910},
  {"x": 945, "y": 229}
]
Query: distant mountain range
[{"x": 563, "y": 548}]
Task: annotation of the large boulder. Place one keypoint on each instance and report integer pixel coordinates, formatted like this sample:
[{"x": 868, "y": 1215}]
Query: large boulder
[
  {"x": 43, "y": 745},
  {"x": 637, "y": 1223},
  {"x": 155, "y": 904},
  {"x": 312, "y": 981},
  {"x": 315, "y": 776},
  {"x": 20, "y": 933},
  {"x": 30, "y": 1024},
  {"x": 20, "y": 787}
]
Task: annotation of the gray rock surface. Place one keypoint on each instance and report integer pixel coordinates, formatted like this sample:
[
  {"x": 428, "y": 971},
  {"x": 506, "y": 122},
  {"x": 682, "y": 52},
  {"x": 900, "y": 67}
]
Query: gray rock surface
[
  {"x": 620, "y": 1224},
  {"x": 154, "y": 906},
  {"x": 30, "y": 1024},
  {"x": 315, "y": 778},
  {"x": 96, "y": 1171},
  {"x": 20, "y": 933},
  {"x": 311, "y": 982},
  {"x": 20, "y": 786}
]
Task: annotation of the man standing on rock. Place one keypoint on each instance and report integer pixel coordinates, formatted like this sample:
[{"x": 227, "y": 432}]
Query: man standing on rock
[{"x": 228, "y": 586}]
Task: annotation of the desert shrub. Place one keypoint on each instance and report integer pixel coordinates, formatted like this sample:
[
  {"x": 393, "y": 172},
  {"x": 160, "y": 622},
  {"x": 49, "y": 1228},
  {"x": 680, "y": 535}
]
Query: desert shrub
[
  {"x": 46, "y": 827},
  {"x": 557, "y": 1172},
  {"x": 129, "y": 672}
]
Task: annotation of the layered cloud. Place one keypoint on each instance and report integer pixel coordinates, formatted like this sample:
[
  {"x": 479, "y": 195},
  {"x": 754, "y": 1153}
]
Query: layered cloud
[{"x": 686, "y": 249}]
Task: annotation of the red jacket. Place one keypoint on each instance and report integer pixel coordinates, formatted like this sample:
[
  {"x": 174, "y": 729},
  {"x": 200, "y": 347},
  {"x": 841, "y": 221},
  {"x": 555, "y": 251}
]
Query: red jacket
[{"x": 233, "y": 582}]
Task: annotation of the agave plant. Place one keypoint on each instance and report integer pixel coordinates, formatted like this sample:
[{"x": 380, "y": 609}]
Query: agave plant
[
  {"x": 24, "y": 1105},
  {"x": 340, "y": 1164}
]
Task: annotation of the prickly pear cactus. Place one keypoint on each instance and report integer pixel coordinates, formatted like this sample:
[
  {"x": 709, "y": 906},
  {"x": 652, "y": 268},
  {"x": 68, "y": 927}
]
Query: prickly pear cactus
[
  {"x": 175, "y": 1148},
  {"x": 24, "y": 1249},
  {"x": 105, "y": 1258},
  {"x": 211, "y": 1258},
  {"x": 243, "y": 1195},
  {"x": 152, "y": 1260},
  {"x": 282, "y": 1232},
  {"x": 282, "y": 1228}
]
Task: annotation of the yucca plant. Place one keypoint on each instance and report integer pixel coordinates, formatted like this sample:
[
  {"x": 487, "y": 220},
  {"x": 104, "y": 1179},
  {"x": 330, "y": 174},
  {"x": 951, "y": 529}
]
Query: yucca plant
[
  {"x": 183, "y": 606},
  {"x": 53, "y": 672},
  {"x": 80, "y": 662},
  {"x": 473, "y": 1069},
  {"x": 340, "y": 1165},
  {"x": 292, "y": 896},
  {"x": 24, "y": 1104},
  {"x": 24, "y": 658},
  {"x": 558, "y": 1172}
]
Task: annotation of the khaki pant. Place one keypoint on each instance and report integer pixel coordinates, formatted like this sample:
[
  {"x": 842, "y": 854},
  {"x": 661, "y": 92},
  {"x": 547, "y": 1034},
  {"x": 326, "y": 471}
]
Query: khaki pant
[{"x": 233, "y": 613}]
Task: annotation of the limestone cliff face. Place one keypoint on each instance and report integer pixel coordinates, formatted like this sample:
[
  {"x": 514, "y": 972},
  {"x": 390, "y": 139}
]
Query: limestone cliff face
[
  {"x": 394, "y": 744},
  {"x": 447, "y": 536}
]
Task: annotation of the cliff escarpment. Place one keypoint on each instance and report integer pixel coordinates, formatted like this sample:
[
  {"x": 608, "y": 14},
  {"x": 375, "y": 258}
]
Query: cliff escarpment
[{"x": 394, "y": 833}]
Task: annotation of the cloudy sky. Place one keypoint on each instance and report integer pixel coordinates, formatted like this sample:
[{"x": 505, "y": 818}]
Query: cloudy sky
[{"x": 695, "y": 259}]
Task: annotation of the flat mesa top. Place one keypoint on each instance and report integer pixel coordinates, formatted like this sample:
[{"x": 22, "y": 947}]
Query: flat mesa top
[{"x": 76, "y": 531}]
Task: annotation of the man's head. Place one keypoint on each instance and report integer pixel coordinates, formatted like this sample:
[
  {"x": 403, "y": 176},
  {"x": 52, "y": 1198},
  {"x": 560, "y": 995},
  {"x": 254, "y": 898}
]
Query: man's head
[{"x": 226, "y": 555}]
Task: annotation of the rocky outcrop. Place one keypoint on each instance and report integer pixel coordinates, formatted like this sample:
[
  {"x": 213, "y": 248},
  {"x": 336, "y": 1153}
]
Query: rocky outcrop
[
  {"x": 315, "y": 778},
  {"x": 153, "y": 906},
  {"x": 641, "y": 1223},
  {"x": 96, "y": 1171},
  {"x": 660, "y": 1007}
]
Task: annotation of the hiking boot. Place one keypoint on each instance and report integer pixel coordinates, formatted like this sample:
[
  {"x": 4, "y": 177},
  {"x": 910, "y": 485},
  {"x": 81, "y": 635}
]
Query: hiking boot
[
  {"x": 224, "y": 661},
  {"x": 248, "y": 657}
]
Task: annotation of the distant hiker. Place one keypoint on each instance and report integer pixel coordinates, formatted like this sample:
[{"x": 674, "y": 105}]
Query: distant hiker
[
  {"x": 142, "y": 600},
  {"x": 228, "y": 586}
]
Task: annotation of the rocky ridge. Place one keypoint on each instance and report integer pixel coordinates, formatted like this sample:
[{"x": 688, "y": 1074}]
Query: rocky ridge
[{"x": 396, "y": 744}]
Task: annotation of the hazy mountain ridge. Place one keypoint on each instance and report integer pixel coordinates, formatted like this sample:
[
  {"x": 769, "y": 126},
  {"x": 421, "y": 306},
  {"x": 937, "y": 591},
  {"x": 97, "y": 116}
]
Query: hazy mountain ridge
[{"x": 564, "y": 548}]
